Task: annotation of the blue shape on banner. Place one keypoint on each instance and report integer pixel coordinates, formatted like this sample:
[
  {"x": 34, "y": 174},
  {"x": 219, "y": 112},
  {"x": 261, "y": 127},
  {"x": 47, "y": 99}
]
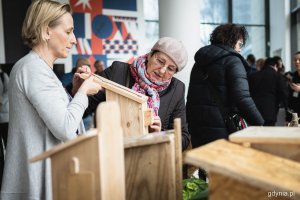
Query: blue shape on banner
[
  {"x": 129, "y": 5},
  {"x": 79, "y": 24},
  {"x": 102, "y": 26}
]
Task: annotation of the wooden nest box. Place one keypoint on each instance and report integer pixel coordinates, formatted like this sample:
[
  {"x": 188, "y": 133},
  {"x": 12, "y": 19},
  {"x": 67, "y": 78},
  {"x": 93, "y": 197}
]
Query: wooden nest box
[
  {"x": 135, "y": 114},
  {"x": 101, "y": 165},
  {"x": 281, "y": 141}
]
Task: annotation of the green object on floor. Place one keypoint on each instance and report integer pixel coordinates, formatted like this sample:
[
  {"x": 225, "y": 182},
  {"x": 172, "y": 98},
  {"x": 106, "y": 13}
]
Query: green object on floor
[{"x": 195, "y": 188}]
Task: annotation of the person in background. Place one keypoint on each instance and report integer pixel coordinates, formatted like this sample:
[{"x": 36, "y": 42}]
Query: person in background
[
  {"x": 294, "y": 88},
  {"x": 152, "y": 74},
  {"x": 67, "y": 78},
  {"x": 99, "y": 66},
  {"x": 219, "y": 67},
  {"x": 4, "y": 117},
  {"x": 42, "y": 114},
  {"x": 260, "y": 63},
  {"x": 268, "y": 90},
  {"x": 279, "y": 64},
  {"x": 251, "y": 61},
  {"x": 225, "y": 69}
]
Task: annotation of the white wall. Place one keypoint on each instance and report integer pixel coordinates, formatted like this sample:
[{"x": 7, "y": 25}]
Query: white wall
[
  {"x": 280, "y": 30},
  {"x": 181, "y": 20},
  {"x": 2, "y": 52}
]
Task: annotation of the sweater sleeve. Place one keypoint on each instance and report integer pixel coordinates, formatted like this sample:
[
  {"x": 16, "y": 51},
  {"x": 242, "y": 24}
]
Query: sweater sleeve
[{"x": 51, "y": 101}]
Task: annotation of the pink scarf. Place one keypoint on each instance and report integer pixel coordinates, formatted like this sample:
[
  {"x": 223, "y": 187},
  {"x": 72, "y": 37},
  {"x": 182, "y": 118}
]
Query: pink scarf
[{"x": 144, "y": 85}]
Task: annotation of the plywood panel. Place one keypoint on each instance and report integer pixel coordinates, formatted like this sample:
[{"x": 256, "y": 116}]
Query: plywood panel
[
  {"x": 150, "y": 172},
  {"x": 281, "y": 141},
  {"x": 223, "y": 187},
  {"x": 290, "y": 151},
  {"x": 278, "y": 135},
  {"x": 111, "y": 151},
  {"x": 81, "y": 186},
  {"x": 132, "y": 114},
  {"x": 61, "y": 166}
]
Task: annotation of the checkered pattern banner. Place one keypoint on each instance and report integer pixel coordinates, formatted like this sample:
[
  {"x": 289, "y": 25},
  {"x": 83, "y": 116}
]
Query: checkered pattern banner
[{"x": 120, "y": 47}]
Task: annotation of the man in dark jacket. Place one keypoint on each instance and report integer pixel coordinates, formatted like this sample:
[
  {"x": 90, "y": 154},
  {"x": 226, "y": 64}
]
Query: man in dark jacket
[
  {"x": 294, "y": 88},
  {"x": 220, "y": 65},
  {"x": 152, "y": 75},
  {"x": 268, "y": 90}
]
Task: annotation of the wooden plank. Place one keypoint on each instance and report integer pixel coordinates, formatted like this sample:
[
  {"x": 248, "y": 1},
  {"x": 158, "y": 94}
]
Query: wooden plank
[
  {"x": 81, "y": 186},
  {"x": 148, "y": 116},
  {"x": 60, "y": 167},
  {"x": 90, "y": 134},
  {"x": 132, "y": 118},
  {"x": 149, "y": 139},
  {"x": 290, "y": 151},
  {"x": 278, "y": 135},
  {"x": 223, "y": 187},
  {"x": 178, "y": 158},
  {"x": 281, "y": 141},
  {"x": 111, "y": 151},
  {"x": 150, "y": 171},
  {"x": 117, "y": 88},
  {"x": 256, "y": 168}
]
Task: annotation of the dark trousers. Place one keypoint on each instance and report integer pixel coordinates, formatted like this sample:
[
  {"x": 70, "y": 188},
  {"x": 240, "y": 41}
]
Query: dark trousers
[{"x": 3, "y": 142}]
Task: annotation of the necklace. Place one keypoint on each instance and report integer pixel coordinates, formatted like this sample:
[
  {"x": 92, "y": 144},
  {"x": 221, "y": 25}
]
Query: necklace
[{"x": 45, "y": 60}]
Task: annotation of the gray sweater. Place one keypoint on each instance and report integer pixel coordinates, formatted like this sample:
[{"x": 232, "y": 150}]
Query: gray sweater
[{"x": 41, "y": 116}]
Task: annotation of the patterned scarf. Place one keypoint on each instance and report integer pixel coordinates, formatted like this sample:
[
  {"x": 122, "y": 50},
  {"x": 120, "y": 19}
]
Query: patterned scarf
[{"x": 144, "y": 85}]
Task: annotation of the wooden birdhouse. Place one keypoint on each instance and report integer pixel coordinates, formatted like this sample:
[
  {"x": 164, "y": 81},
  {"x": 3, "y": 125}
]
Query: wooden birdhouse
[
  {"x": 238, "y": 172},
  {"x": 100, "y": 165},
  {"x": 91, "y": 166},
  {"x": 135, "y": 114},
  {"x": 281, "y": 141}
]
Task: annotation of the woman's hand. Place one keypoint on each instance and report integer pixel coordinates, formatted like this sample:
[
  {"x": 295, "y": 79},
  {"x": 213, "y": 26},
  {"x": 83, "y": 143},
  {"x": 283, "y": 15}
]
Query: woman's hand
[
  {"x": 156, "y": 125},
  {"x": 77, "y": 79},
  {"x": 295, "y": 86},
  {"x": 90, "y": 86}
]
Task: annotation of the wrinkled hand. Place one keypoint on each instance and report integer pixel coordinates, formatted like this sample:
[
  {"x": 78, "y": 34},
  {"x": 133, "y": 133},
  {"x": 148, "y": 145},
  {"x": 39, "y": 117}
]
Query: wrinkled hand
[
  {"x": 295, "y": 86},
  {"x": 77, "y": 80},
  {"x": 90, "y": 86},
  {"x": 156, "y": 125}
]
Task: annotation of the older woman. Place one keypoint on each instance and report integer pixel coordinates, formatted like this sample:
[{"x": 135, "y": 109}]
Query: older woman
[
  {"x": 42, "y": 114},
  {"x": 225, "y": 70},
  {"x": 152, "y": 75}
]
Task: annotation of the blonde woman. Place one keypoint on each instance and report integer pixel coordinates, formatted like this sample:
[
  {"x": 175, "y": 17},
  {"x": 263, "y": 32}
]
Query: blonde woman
[{"x": 42, "y": 115}]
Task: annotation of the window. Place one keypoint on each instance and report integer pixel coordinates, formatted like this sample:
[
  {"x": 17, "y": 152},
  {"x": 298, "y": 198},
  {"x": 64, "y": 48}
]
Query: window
[
  {"x": 249, "y": 13},
  {"x": 151, "y": 22}
]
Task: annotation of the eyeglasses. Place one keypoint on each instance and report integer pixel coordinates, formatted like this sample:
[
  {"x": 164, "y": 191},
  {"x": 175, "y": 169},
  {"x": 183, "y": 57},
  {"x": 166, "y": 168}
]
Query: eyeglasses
[
  {"x": 240, "y": 44},
  {"x": 171, "y": 70}
]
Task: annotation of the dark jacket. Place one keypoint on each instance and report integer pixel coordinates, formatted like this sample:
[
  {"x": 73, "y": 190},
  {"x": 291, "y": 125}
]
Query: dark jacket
[
  {"x": 172, "y": 102},
  {"x": 294, "y": 97},
  {"x": 268, "y": 89},
  {"x": 226, "y": 72}
]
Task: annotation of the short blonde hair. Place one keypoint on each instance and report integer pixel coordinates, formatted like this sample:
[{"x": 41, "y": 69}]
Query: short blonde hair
[{"x": 40, "y": 15}]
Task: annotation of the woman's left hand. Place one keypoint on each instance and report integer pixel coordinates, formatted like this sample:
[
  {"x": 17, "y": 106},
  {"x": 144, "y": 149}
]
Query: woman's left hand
[{"x": 156, "y": 125}]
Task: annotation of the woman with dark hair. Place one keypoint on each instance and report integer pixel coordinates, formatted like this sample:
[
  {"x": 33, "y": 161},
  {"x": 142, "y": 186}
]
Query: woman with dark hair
[{"x": 221, "y": 68}]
